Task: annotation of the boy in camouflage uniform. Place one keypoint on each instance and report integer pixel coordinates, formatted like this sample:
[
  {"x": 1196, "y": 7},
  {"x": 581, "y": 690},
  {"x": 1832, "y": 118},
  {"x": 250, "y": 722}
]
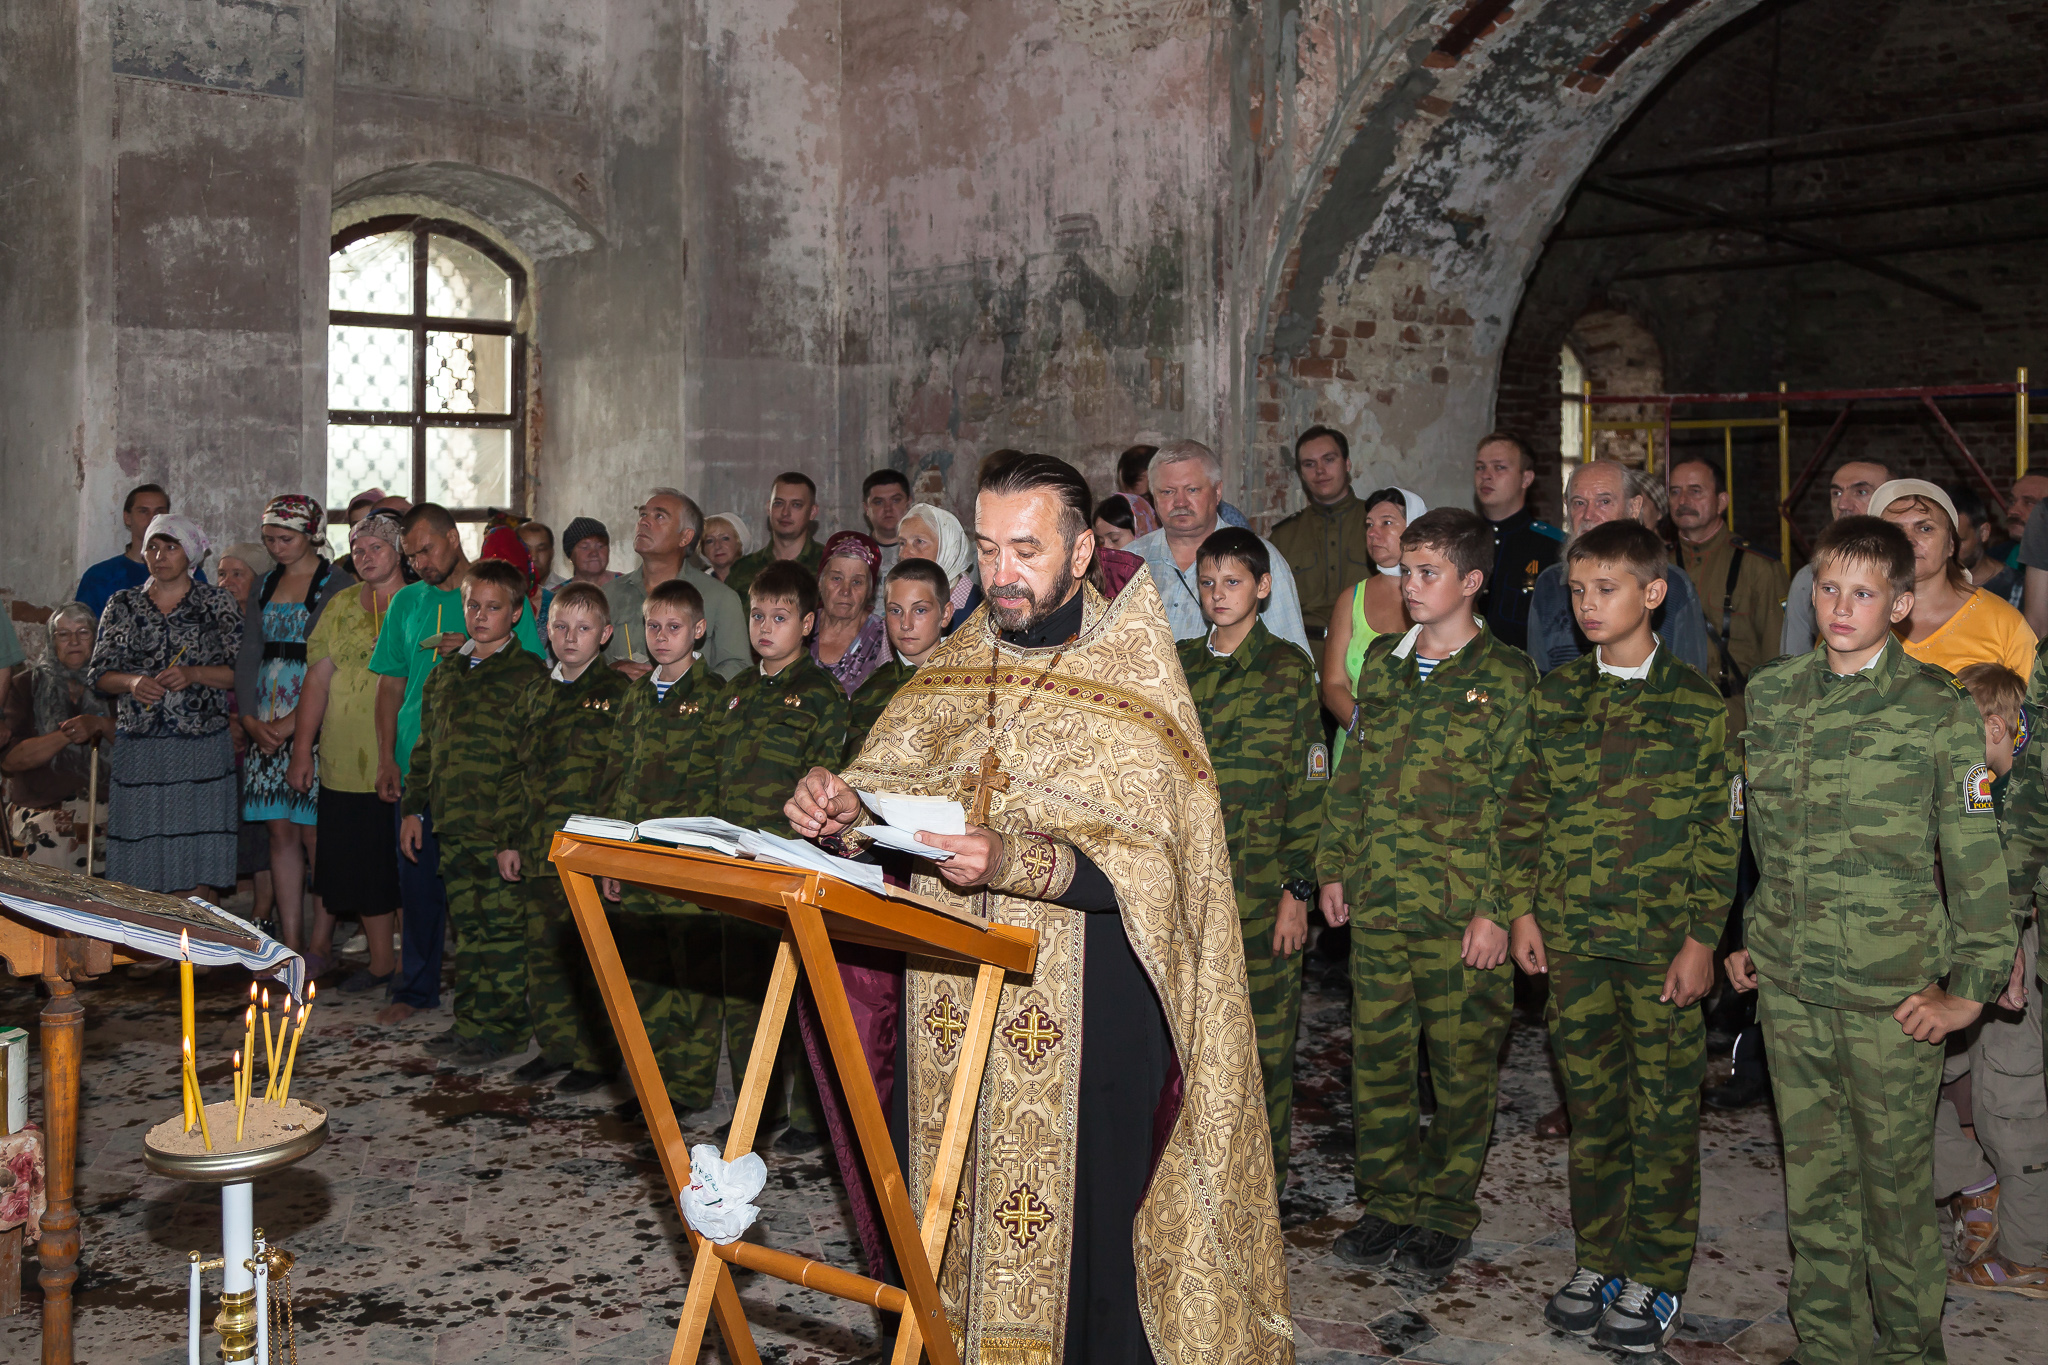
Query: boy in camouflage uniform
[
  {"x": 670, "y": 947},
  {"x": 1865, "y": 771},
  {"x": 469, "y": 747},
  {"x": 777, "y": 722},
  {"x": 917, "y": 608},
  {"x": 1619, "y": 840},
  {"x": 567, "y": 720},
  {"x": 1410, "y": 833},
  {"x": 2000, "y": 1180},
  {"x": 1256, "y": 694}
]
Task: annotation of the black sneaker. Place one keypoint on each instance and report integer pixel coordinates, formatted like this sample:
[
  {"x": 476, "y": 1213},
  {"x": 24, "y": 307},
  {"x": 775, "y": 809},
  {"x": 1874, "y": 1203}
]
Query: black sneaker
[
  {"x": 480, "y": 1052},
  {"x": 534, "y": 1068},
  {"x": 1579, "y": 1306},
  {"x": 579, "y": 1081},
  {"x": 797, "y": 1142},
  {"x": 1372, "y": 1241},
  {"x": 1430, "y": 1252},
  {"x": 444, "y": 1044},
  {"x": 1643, "y": 1320}
]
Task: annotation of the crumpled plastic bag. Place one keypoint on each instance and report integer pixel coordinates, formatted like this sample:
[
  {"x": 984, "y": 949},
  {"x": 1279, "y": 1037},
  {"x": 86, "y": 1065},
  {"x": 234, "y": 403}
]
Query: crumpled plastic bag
[{"x": 718, "y": 1201}]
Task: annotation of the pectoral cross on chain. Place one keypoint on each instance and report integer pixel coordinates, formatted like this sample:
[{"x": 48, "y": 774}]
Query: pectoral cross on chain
[{"x": 984, "y": 785}]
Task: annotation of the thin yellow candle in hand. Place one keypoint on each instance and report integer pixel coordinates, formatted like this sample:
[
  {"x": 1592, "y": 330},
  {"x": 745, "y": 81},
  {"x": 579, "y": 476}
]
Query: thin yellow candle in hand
[
  {"x": 629, "y": 644},
  {"x": 269, "y": 1052},
  {"x": 192, "y": 1077},
  {"x": 185, "y": 1004}
]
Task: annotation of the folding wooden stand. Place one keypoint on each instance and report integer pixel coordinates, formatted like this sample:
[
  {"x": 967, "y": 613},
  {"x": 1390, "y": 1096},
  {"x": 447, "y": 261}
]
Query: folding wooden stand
[{"x": 811, "y": 911}]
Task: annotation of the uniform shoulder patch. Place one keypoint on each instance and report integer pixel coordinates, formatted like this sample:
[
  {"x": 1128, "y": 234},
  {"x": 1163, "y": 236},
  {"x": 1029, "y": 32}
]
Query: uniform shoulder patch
[
  {"x": 1738, "y": 791},
  {"x": 1318, "y": 762},
  {"x": 1977, "y": 789}
]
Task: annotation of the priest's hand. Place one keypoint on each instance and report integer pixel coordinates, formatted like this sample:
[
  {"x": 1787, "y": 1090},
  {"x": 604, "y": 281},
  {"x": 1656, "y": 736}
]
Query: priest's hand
[
  {"x": 1330, "y": 900},
  {"x": 976, "y": 855},
  {"x": 1486, "y": 944},
  {"x": 821, "y": 805}
]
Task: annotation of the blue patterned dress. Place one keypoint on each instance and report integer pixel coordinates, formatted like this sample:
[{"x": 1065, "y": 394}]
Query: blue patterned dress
[{"x": 282, "y": 673}]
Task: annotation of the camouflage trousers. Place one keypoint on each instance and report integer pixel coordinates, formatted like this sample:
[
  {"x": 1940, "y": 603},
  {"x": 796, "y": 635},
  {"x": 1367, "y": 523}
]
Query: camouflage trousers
[
  {"x": 1632, "y": 1070},
  {"x": 489, "y": 918},
  {"x": 567, "y": 1013},
  {"x": 1404, "y": 991},
  {"x": 672, "y": 959},
  {"x": 1275, "y": 984},
  {"x": 1855, "y": 1102},
  {"x": 748, "y": 955}
]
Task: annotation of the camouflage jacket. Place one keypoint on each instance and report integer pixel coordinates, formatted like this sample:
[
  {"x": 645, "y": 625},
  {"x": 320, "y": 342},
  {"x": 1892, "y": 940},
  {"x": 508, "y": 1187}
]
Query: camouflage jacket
[
  {"x": 1857, "y": 785},
  {"x": 1620, "y": 832},
  {"x": 567, "y": 730},
  {"x": 654, "y": 747},
  {"x": 471, "y": 746},
  {"x": 769, "y": 733},
  {"x": 747, "y": 568},
  {"x": 1264, "y": 723},
  {"x": 1410, "y": 819},
  {"x": 2025, "y": 816},
  {"x": 873, "y": 698}
]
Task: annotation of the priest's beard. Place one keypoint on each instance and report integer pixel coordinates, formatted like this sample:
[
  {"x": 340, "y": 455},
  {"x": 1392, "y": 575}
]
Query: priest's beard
[{"x": 1017, "y": 608}]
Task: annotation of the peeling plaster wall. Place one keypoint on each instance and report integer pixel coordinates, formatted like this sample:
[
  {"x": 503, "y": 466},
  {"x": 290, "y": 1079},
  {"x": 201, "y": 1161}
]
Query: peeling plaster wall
[{"x": 1031, "y": 196}]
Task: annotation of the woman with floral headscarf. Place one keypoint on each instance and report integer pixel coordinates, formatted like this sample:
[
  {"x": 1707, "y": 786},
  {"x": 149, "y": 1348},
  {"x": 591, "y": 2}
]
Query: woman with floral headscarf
[
  {"x": 851, "y": 641},
  {"x": 167, "y": 651},
  {"x": 268, "y": 675},
  {"x": 54, "y": 719}
]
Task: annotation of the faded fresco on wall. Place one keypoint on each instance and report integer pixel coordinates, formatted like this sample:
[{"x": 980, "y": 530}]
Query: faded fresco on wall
[{"x": 1075, "y": 352}]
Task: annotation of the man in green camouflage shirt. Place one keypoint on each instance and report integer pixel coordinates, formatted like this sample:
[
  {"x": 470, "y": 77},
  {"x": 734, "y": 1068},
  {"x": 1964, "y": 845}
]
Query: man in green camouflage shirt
[
  {"x": 670, "y": 947},
  {"x": 567, "y": 720},
  {"x": 1865, "y": 773},
  {"x": 469, "y": 747},
  {"x": 1256, "y": 694},
  {"x": 1409, "y": 835},
  {"x": 1618, "y": 841},
  {"x": 779, "y": 720}
]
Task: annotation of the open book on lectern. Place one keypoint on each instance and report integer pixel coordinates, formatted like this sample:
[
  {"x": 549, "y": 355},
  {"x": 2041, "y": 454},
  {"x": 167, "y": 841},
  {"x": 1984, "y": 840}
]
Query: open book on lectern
[{"x": 713, "y": 835}]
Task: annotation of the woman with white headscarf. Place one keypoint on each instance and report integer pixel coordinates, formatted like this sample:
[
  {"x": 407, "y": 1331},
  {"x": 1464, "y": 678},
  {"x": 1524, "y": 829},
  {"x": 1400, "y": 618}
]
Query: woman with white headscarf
[
  {"x": 166, "y": 650},
  {"x": 725, "y": 540},
  {"x": 1370, "y": 608},
  {"x": 931, "y": 532},
  {"x": 54, "y": 719}
]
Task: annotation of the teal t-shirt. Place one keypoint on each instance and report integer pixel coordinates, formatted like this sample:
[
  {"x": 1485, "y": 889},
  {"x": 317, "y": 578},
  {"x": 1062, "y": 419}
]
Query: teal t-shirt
[
  {"x": 10, "y": 643},
  {"x": 418, "y": 612}
]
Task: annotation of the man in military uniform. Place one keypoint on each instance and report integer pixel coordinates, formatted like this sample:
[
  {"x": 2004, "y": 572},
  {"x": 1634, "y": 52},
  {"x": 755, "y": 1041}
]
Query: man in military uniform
[
  {"x": 1866, "y": 781},
  {"x": 780, "y": 720},
  {"x": 1618, "y": 839},
  {"x": 1524, "y": 547},
  {"x": 468, "y": 749},
  {"x": 1256, "y": 695},
  {"x": 1324, "y": 543},
  {"x": 792, "y": 505},
  {"x": 566, "y": 721},
  {"x": 1742, "y": 589},
  {"x": 1409, "y": 834}
]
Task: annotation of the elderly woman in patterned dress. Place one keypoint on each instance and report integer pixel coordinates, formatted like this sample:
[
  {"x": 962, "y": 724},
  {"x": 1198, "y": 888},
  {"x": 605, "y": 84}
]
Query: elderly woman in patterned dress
[
  {"x": 167, "y": 650},
  {"x": 269, "y": 672},
  {"x": 851, "y": 641},
  {"x": 54, "y": 719}
]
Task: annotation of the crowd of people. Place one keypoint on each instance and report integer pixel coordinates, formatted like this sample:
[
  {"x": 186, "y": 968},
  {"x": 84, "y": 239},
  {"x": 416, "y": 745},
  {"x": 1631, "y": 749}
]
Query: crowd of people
[{"x": 1628, "y": 763}]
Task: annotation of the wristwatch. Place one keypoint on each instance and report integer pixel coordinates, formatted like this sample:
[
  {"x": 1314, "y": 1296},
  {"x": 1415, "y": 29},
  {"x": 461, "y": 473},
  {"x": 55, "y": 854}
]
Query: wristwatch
[{"x": 1302, "y": 889}]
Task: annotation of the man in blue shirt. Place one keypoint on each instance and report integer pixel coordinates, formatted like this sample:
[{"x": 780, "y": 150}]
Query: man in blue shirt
[{"x": 126, "y": 570}]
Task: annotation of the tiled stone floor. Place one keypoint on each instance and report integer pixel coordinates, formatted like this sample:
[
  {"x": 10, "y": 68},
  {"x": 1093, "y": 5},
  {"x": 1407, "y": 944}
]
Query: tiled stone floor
[{"x": 459, "y": 1217}]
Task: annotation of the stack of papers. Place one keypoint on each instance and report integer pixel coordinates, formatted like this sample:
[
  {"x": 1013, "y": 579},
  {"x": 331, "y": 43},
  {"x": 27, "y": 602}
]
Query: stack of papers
[
  {"x": 714, "y": 835},
  {"x": 904, "y": 817},
  {"x": 601, "y": 827}
]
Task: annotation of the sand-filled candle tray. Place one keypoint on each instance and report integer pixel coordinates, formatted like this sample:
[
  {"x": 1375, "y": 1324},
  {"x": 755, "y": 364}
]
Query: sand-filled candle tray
[{"x": 273, "y": 1137}]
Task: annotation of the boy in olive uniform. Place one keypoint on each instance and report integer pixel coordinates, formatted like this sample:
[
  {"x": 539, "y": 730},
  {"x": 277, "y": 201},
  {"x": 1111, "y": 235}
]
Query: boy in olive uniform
[
  {"x": 1256, "y": 694},
  {"x": 778, "y": 721},
  {"x": 1619, "y": 840},
  {"x": 567, "y": 720},
  {"x": 670, "y": 947},
  {"x": 469, "y": 748},
  {"x": 1409, "y": 832},
  {"x": 917, "y": 608},
  {"x": 1865, "y": 771}
]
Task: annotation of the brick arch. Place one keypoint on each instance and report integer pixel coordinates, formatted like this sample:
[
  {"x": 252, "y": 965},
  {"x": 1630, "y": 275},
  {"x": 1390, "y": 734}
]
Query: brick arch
[{"x": 1384, "y": 303}]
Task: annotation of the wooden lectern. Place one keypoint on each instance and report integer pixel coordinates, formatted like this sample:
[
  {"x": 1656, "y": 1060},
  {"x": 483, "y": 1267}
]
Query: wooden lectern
[{"x": 811, "y": 910}]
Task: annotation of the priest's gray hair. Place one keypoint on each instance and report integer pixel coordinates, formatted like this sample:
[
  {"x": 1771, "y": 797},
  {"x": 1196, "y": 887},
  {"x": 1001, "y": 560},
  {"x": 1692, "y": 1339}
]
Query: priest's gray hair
[
  {"x": 692, "y": 516},
  {"x": 1180, "y": 452}
]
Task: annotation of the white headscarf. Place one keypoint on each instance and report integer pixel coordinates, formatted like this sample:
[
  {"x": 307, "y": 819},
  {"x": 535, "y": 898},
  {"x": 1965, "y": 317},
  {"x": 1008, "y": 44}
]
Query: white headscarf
[
  {"x": 186, "y": 532},
  {"x": 1414, "y": 507},
  {"x": 956, "y": 552},
  {"x": 739, "y": 528}
]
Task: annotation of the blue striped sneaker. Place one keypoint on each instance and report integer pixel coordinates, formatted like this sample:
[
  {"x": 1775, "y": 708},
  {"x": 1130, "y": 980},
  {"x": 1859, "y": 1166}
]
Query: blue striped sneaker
[
  {"x": 1643, "y": 1320},
  {"x": 1579, "y": 1306}
]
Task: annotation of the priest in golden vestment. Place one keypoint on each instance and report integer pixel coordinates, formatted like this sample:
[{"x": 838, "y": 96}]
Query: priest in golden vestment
[{"x": 1117, "y": 1204}]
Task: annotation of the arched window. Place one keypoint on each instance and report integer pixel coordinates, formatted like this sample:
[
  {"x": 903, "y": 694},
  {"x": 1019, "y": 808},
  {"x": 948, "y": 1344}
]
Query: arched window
[{"x": 426, "y": 368}]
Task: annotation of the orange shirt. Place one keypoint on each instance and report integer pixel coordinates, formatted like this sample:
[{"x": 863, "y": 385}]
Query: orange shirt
[{"x": 1986, "y": 630}]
